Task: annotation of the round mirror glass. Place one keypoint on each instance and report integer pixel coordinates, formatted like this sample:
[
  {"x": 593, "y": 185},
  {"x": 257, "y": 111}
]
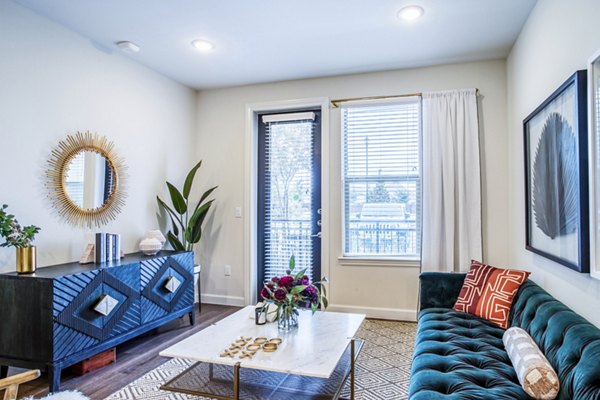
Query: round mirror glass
[{"x": 89, "y": 180}]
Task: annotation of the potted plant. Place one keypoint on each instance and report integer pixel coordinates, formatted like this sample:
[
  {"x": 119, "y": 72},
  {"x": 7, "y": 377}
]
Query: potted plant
[
  {"x": 186, "y": 222},
  {"x": 292, "y": 291},
  {"x": 20, "y": 237}
]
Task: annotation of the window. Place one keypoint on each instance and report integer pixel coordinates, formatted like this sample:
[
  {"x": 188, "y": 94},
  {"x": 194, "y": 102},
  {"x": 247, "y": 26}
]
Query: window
[
  {"x": 381, "y": 178},
  {"x": 74, "y": 180}
]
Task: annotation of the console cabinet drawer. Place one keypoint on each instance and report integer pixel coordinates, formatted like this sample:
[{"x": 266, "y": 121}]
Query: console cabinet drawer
[
  {"x": 167, "y": 285},
  {"x": 94, "y": 306}
]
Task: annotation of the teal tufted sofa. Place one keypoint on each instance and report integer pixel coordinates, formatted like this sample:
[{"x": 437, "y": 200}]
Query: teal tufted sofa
[{"x": 460, "y": 356}]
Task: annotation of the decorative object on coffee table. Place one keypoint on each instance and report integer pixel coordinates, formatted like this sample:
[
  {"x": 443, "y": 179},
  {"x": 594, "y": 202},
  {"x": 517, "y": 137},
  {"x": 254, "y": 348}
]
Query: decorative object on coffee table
[
  {"x": 86, "y": 180},
  {"x": 556, "y": 176},
  {"x": 186, "y": 222},
  {"x": 292, "y": 291},
  {"x": 20, "y": 237}
]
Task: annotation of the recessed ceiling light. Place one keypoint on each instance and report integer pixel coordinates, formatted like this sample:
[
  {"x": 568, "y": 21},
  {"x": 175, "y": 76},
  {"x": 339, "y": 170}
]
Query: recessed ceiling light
[
  {"x": 202, "y": 45},
  {"x": 128, "y": 47},
  {"x": 410, "y": 13}
]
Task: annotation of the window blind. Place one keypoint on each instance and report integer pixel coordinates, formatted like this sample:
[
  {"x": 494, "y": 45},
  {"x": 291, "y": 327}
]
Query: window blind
[
  {"x": 288, "y": 220},
  {"x": 381, "y": 178}
]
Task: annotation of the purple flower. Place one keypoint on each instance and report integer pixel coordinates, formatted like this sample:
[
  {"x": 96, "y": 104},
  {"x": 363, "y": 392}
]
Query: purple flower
[
  {"x": 280, "y": 295},
  {"x": 305, "y": 280},
  {"x": 311, "y": 294}
]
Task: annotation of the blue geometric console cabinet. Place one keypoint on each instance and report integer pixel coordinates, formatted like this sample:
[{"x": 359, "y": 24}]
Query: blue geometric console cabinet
[{"x": 66, "y": 313}]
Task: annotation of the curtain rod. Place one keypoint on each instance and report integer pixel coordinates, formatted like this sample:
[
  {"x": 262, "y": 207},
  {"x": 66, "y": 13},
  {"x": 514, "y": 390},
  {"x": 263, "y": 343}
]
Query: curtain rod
[{"x": 336, "y": 102}]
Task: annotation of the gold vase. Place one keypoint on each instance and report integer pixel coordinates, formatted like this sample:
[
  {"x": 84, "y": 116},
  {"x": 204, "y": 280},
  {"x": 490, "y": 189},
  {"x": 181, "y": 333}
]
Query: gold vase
[{"x": 26, "y": 260}]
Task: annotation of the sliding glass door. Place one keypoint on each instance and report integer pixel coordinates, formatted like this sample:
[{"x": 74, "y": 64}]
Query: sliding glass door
[{"x": 289, "y": 193}]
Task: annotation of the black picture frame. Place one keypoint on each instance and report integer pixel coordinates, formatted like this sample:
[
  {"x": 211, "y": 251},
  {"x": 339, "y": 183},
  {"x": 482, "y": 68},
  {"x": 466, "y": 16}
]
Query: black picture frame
[{"x": 556, "y": 176}]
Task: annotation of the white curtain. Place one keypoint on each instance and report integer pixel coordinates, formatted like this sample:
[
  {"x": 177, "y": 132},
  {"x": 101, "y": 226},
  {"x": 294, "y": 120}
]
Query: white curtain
[{"x": 451, "y": 231}]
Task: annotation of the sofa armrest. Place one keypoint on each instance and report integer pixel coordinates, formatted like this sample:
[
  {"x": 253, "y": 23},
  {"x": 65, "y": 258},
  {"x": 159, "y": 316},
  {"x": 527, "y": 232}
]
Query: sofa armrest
[{"x": 439, "y": 289}]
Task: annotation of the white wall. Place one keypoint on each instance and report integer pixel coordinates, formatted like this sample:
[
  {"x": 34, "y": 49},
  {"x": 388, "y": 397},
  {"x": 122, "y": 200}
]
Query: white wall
[
  {"x": 557, "y": 40},
  {"x": 53, "y": 83},
  {"x": 380, "y": 291}
]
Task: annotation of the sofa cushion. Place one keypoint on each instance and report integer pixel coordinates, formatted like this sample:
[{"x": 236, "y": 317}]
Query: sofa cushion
[
  {"x": 461, "y": 356},
  {"x": 488, "y": 292},
  {"x": 569, "y": 342},
  {"x": 498, "y": 294},
  {"x": 472, "y": 288},
  {"x": 535, "y": 373}
]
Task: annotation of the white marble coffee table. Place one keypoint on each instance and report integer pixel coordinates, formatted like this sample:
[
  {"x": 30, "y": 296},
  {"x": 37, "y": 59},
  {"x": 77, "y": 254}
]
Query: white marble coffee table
[{"x": 315, "y": 350}]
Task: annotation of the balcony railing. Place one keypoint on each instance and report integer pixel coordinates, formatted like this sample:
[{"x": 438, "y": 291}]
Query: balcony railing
[
  {"x": 382, "y": 237},
  {"x": 371, "y": 237}
]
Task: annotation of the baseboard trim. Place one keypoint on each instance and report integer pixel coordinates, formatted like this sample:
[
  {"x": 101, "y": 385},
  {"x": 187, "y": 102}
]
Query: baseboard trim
[
  {"x": 223, "y": 300},
  {"x": 377, "y": 312}
]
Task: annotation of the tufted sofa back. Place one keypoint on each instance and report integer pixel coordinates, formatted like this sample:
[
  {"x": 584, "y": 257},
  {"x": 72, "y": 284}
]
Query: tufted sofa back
[{"x": 570, "y": 342}]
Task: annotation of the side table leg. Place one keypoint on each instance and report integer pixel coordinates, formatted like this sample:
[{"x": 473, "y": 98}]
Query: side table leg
[
  {"x": 3, "y": 371},
  {"x": 53, "y": 378},
  {"x": 352, "y": 369},
  {"x": 236, "y": 381}
]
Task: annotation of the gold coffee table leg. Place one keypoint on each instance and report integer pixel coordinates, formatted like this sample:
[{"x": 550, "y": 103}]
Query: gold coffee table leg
[
  {"x": 236, "y": 381},
  {"x": 352, "y": 369}
]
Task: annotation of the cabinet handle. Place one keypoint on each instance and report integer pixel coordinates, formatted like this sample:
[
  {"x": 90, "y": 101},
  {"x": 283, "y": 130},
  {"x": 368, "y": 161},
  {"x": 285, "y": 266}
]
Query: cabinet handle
[
  {"x": 172, "y": 284},
  {"x": 105, "y": 304}
]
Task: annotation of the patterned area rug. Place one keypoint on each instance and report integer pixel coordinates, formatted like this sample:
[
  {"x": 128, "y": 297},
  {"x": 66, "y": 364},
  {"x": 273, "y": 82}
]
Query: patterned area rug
[{"x": 382, "y": 372}]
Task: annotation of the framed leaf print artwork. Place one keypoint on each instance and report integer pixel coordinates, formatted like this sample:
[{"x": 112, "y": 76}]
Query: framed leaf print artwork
[
  {"x": 556, "y": 176},
  {"x": 594, "y": 157}
]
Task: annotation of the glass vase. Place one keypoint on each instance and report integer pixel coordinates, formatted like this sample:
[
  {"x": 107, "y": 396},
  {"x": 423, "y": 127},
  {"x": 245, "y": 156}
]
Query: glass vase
[{"x": 288, "y": 318}]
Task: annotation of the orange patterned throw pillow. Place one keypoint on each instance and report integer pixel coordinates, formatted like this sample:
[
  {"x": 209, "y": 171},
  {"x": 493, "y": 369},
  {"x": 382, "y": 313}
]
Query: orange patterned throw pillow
[{"x": 488, "y": 292}]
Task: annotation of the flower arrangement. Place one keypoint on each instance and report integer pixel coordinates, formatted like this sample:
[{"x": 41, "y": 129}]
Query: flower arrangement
[
  {"x": 13, "y": 233},
  {"x": 292, "y": 291}
]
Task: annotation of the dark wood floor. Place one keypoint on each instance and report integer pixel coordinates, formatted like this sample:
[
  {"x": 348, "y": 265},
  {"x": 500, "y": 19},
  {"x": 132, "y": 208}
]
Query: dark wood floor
[{"x": 134, "y": 358}]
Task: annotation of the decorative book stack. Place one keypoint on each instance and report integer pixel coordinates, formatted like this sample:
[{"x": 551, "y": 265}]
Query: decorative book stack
[{"x": 108, "y": 247}]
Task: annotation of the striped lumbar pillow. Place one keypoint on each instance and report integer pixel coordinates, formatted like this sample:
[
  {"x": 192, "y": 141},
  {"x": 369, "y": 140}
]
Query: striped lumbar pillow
[{"x": 536, "y": 375}]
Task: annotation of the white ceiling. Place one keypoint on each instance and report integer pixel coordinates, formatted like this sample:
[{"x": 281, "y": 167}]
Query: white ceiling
[{"x": 273, "y": 40}]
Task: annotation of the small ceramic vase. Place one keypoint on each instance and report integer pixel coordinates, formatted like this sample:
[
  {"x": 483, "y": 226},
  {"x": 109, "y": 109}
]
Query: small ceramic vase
[
  {"x": 156, "y": 234},
  {"x": 150, "y": 246}
]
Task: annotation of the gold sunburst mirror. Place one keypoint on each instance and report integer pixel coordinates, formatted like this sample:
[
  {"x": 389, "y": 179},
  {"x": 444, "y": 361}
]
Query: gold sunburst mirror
[{"x": 85, "y": 180}]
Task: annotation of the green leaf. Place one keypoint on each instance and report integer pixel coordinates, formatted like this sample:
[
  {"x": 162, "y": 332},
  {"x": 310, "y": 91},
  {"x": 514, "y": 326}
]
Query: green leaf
[
  {"x": 193, "y": 232},
  {"x": 177, "y": 199},
  {"x": 206, "y": 194},
  {"x": 298, "y": 289},
  {"x": 174, "y": 216},
  {"x": 189, "y": 180},
  {"x": 174, "y": 226},
  {"x": 300, "y": 274},
  {"x": 175, "y": 243},
  {"x": 292, "y": 262}
]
